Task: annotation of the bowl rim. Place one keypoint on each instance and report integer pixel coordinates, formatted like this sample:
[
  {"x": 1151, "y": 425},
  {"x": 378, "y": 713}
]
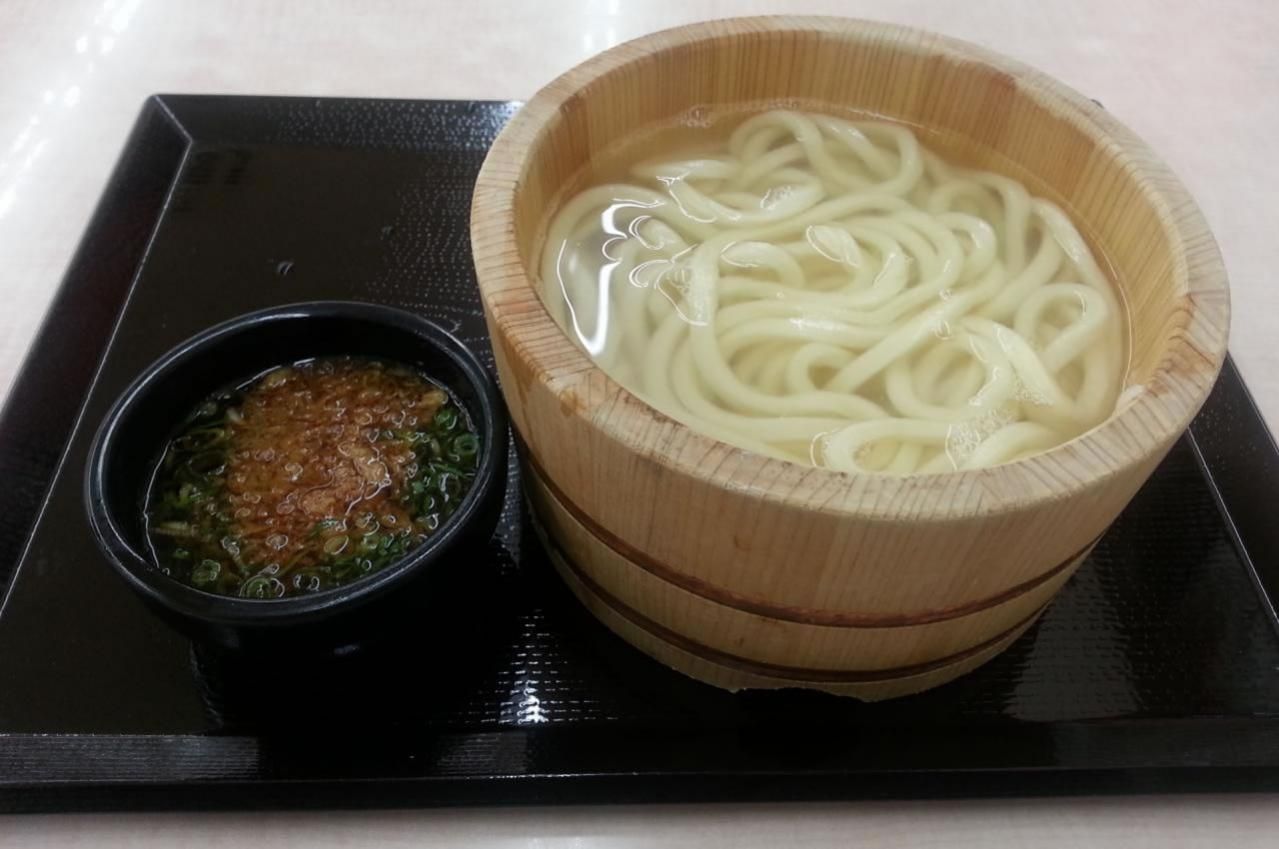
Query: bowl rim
[
  {"x": 1161, "y": 411},
  {"x": 142, "y": 575}
]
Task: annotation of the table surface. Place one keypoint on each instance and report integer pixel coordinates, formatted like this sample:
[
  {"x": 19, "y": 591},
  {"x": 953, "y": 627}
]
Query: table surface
[{"x": 1198, "y": 81}]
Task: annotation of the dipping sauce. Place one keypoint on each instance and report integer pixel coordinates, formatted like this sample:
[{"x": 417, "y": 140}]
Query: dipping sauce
[{"x": 308, "y": 477}]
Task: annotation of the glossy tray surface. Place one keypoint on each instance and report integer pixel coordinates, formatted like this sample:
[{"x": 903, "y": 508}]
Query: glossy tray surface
[{"x": 1158, "y": 666}]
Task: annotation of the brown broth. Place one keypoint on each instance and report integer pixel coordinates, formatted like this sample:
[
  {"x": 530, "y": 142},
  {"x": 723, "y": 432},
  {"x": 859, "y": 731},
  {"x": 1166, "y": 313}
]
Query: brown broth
[{"x": 307, "y": 477}]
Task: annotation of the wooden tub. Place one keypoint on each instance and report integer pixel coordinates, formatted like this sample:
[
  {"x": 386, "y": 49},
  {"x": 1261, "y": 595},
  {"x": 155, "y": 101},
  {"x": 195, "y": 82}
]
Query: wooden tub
[{"x": 746, "y": 571}]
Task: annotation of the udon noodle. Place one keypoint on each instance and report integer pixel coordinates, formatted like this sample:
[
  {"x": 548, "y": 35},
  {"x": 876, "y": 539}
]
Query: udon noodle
[{"x": 831, "y": 292}]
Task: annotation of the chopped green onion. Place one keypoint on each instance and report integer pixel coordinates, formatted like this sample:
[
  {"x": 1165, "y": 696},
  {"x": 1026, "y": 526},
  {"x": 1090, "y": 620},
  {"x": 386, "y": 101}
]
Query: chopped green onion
[
  {"x": 206, "y": 572},
  {"x": 445, "y": 418},
  {"x": 207, "y": 410},
  {"x": 325, "y": 525},
  {"x": 466, "y": 445},
  {"x": 207, "y": 463},
  {"x": 174, "y": 529},
  {"x": 199, "y": 439},
  {"x": 256, "y": 587}
]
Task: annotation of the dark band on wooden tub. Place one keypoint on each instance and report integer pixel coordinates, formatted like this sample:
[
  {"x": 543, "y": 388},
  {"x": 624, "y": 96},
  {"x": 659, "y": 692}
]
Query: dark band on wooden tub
[
  {"x": 755, "y": 667},
  {"x": 802, "y": 615}
]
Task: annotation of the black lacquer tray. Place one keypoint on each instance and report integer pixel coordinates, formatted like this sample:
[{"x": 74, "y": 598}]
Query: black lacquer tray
[{"x": 1156, "y": 669}]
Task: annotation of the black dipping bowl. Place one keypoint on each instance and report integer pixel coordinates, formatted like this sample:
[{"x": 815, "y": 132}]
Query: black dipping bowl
[{"x": 129, "y": 443}]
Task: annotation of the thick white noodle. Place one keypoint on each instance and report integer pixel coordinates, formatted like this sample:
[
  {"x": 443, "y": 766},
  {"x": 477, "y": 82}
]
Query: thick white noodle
[{"x": 830, "y": 292}]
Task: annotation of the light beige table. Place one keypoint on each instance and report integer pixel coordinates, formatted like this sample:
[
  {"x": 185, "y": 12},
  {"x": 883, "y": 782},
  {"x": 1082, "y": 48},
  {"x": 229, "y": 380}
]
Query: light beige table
[{"x": 1198, "y": 80}]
